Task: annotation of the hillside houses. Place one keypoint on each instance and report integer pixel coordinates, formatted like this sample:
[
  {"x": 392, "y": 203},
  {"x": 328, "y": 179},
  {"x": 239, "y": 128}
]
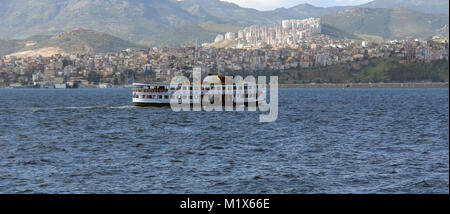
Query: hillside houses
[{"x": 162, "y": 64}]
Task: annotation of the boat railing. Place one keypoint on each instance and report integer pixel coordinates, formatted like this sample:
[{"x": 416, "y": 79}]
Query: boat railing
[{"x": 151, "y": 90}]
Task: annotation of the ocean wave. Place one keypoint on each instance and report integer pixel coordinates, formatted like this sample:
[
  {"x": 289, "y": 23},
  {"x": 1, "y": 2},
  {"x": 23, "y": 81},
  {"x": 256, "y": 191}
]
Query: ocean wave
[
  {"x": 121, "y": 107},
  {"x": 36, "y": 109}
]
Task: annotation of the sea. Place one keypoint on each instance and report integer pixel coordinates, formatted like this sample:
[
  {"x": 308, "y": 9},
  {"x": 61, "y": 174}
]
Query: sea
[{"x": 324, "y": 141}]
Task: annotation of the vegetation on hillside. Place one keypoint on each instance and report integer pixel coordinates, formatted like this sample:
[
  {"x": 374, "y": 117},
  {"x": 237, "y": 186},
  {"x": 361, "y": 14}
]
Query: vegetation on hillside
[
  {"x": 9, "y": 46},
  {"x": 397, "y": 23},
  {"x": 424, "y": 6},
  {"x": 367, "y": 71}
]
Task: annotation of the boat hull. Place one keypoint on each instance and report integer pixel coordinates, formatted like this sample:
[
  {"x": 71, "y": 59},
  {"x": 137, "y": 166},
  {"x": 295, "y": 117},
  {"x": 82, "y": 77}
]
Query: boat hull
[
  {"x": 152, "y": 104},
  {"x": 168, "y": 104}
]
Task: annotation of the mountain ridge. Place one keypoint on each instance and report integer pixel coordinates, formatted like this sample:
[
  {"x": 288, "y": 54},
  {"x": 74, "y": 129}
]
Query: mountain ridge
[
  {"x": 395, "y": 23},
  {"x": 424, "y": 6},
  {"x": 157, "y": 22}
]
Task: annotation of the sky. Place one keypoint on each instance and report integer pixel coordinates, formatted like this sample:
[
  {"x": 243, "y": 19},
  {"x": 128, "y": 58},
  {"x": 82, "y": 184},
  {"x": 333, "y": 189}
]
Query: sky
[{"x": 273, "y": 4}]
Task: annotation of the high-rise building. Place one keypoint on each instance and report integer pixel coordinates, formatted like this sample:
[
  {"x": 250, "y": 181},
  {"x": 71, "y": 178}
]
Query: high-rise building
[
  {"x": 290, "y": 32},
  {"x": 241, "y": 34},
  {"x": 230, "y": 36}
]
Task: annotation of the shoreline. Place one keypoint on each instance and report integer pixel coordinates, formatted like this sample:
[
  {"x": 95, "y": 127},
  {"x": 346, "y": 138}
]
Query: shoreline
[
  {"x": 318, "y": 85},
  {"x": 369, "y": 85}
]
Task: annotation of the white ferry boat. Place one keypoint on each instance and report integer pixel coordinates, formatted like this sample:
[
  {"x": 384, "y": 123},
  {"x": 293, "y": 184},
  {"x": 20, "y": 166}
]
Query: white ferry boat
[{"x": 160, "y": 95}]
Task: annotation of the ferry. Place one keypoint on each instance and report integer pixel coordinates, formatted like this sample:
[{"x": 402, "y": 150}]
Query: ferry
[{"x": 159, "y": 95}]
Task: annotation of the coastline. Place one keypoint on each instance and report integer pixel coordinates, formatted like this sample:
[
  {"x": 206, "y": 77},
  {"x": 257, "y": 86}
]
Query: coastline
[
  {"x": 320, "y": 85},
  {"x": 369, "y": 85}
]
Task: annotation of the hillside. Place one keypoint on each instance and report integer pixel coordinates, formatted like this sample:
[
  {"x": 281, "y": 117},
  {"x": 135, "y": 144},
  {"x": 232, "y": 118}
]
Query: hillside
[
  {"x": 224, "y": 12},
  {"x": 9, "y": 46},
  {"x": 424, "y": 6},
  {"x": 394, "y": 23},
  {"x": 87, "y": 41},
  {"x": 387, "y": 70},
  {"x": 128, "y": 19},
  {"x": 303, "y": 11},
  {"x": 75, "y": 41},
  {"x": 338, "y": 33}
]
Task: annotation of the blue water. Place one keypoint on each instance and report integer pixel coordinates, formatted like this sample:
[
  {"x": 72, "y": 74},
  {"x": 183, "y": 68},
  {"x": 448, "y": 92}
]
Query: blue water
[{"x": 324, "y": 141}]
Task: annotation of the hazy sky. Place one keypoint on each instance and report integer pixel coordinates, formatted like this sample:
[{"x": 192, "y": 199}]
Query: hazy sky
[{"x": 272, "y": 4}]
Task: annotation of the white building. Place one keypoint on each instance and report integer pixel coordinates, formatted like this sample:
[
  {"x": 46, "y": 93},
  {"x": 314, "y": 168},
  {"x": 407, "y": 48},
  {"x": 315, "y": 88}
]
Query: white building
[
  {"x": 290, "y": 32},
  {"x": 105, "y": 85},
  {"x": 219, "y": 38},
  {"x": 241, "y": 34},
  {"x": 230, "y": 36},
  {"x": 60, "y": 85}
]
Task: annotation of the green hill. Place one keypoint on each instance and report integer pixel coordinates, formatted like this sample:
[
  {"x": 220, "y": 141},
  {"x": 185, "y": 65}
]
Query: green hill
[
  {"x": 394, "y": 23},
  {"x": 338, "y": 33},
  {"x": 424, "y": 6},
  {"x": 387, "y": 70}
]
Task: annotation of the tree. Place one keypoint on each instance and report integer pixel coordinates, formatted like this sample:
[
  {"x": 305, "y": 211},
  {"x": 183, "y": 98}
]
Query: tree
[{"x": 93, "y": 77}]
